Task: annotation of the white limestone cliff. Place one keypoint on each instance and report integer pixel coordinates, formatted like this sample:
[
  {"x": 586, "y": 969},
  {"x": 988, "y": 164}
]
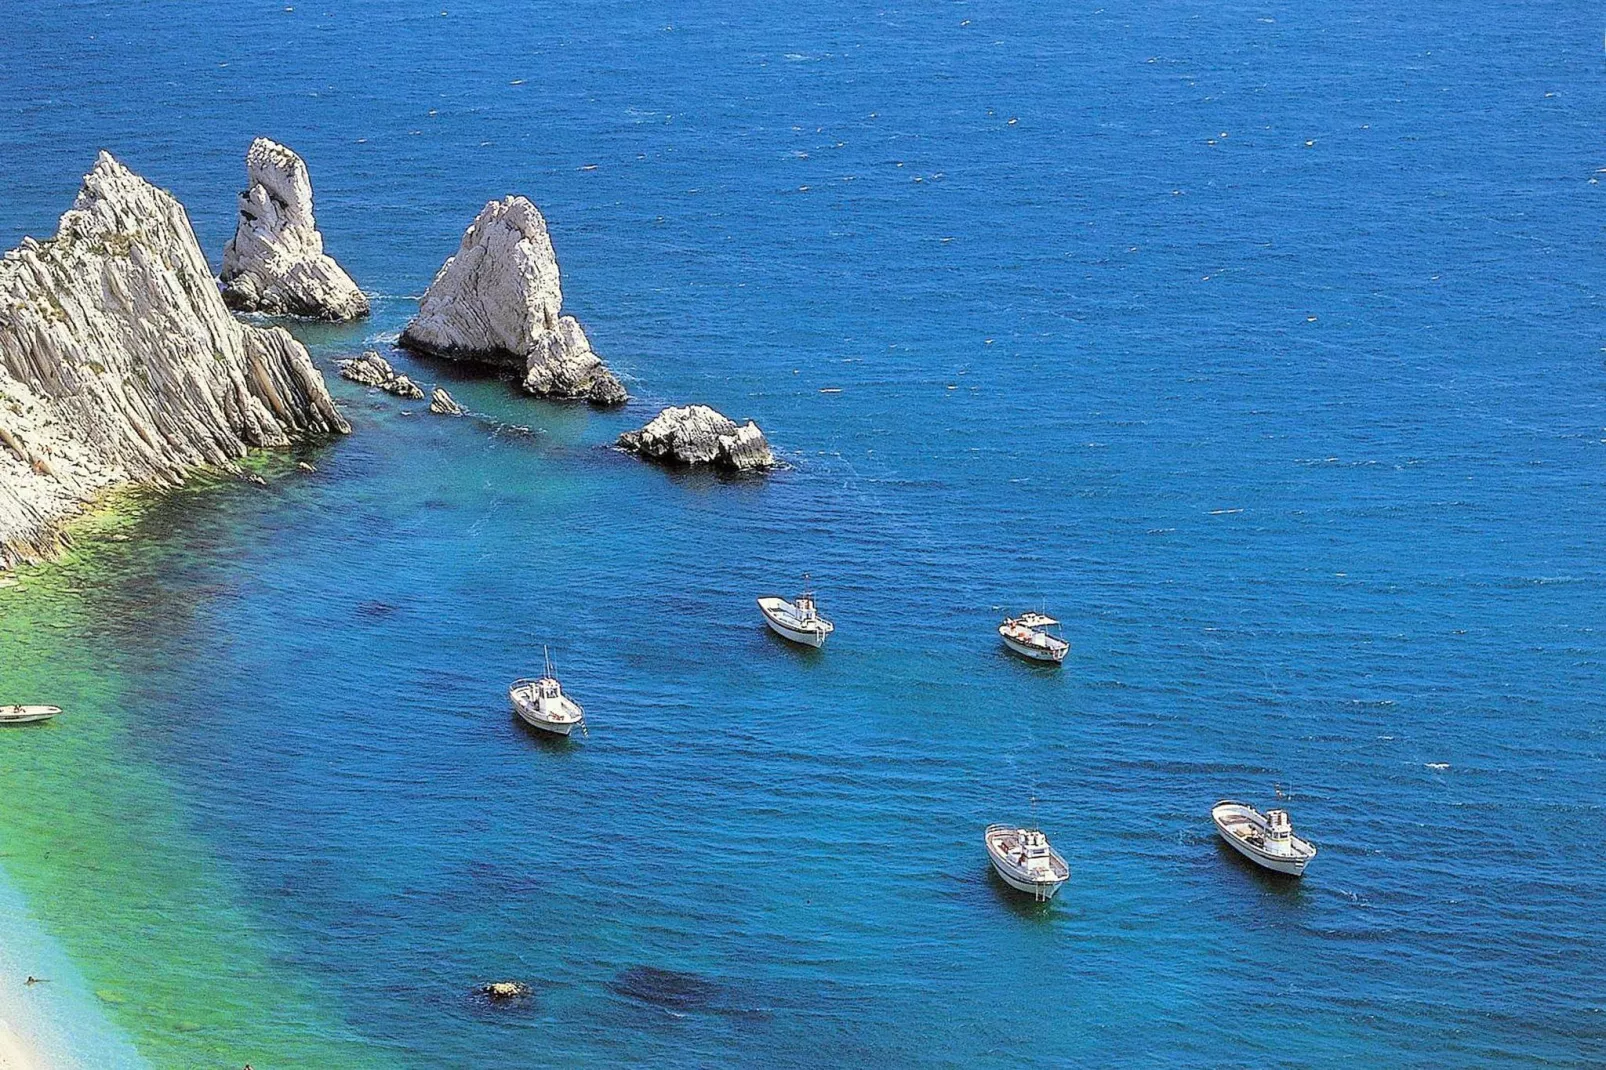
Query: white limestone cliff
[
  {"x": 499, "y": 301},
  {"x": 119, "y": 363},
  {"x": 275, "y": 262},
  {"x": 697, "y": 434}
]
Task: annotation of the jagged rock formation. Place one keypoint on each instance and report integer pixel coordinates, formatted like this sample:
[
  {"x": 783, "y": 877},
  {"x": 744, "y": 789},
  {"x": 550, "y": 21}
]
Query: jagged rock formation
[
  {"x": 498, "y": 301},
  {"x": 697, "y": 434},
  {"x": 371, "y": 369},
  {"x": 275, "y": 262},
  {"x": 119, "y": 363},
  {"x": 441, "y": 404}
]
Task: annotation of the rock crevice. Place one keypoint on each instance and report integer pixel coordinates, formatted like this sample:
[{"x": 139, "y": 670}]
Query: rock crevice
[
  {"x": 119, "y": 363},
  {"x": 499, "y": 301}
]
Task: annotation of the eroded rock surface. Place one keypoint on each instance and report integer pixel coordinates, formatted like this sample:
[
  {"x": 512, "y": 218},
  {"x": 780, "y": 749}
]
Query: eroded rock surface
[
  {"x": 275, "y": 262},
  {"x": 499, "y": 301},
  {"x": 371, "y": 369},
  {"x": 119, "y": 363},
  {"x": 441, "y": 404},
  {"x": 697, "y": 434}
]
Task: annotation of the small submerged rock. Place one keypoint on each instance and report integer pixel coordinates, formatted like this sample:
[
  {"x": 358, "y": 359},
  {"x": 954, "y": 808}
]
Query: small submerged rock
[
  {"x": 698, "y": 434},
  {"x": 441, "y": 403},
  {"x": 371, "y": 369},
  {"x": 676, "y": 989}
]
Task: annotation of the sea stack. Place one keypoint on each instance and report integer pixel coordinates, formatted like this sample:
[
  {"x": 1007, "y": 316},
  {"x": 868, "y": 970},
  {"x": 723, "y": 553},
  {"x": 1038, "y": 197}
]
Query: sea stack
[
  {"x": 697, "y": 434},
  {"x": 275, "y": 262},
  {"x": 119, "y": 363},
  {"x": 499, "y": 301}
]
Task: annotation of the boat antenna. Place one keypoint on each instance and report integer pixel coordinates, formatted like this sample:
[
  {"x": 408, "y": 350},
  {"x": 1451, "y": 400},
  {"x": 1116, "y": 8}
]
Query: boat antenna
[{"x": 546, "y": 656}]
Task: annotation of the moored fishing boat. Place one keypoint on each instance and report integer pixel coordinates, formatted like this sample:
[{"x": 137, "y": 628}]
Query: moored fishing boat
[
  {"x": 1028, "y": 636},
  {"x": 1025, "y": 861},
  {"x": 1266, "y": 839},
  {"x": 799, "y": 621},
  {"x": 27, "y": 714},
  {"x": 542, "y": 704}
]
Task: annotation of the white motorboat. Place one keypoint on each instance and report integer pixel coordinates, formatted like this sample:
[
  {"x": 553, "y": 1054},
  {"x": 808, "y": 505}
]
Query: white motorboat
[
  {"x": 1266, "y": 839},
  {"x": 798, "y": 621},
  {"x": 1027, "y": 636},
  {"x": 542, "y": 704},
  {"x": 27, "y": 714},
  {"x": 1025, "y": 861}
]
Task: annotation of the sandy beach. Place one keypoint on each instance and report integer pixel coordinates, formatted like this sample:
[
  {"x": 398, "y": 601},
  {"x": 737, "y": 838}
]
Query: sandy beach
[{"x": 14, "y": 1054}]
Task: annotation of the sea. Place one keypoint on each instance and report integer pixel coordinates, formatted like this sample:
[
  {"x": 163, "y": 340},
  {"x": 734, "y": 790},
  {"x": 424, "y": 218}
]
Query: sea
[{"x": 1260, "y": 342}]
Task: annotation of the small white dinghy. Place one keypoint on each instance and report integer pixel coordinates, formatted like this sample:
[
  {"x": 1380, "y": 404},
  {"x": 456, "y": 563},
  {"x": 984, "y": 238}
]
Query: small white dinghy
[
  {"x": 797, "y": 621},
  {"x": 27, "y": 714},
  {"x": 1027, "y": 635},
  {"x": 1023, "y": 858},
  {"x": 1266, "y": 839},
  {"x": 542, "y": 704}
]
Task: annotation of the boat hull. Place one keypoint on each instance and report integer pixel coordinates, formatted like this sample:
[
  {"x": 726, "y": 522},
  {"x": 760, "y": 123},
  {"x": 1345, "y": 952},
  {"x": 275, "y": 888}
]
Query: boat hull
[
  {"x": 1001, "y": 841},
  {"x": 557, "y": 728},
  {"x": 27, "y": 714},
  {"x": 1043, "y": 890},
  {"x": 1054, "y": 655},
  {"x": 1292, "y": 867},
  {"x": 1225, "y": 816},
  {"x": 809, "y": 639}
]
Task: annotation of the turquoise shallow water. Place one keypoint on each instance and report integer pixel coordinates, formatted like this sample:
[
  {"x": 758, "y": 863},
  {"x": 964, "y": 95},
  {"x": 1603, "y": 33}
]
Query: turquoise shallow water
[{"x": 1263, "y": 345}]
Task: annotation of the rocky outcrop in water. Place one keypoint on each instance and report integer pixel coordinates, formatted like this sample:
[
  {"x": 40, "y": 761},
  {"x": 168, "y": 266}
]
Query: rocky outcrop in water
[
  {"x": 371, "y": 369},
  {"x": 275, "y": 262},
  {"x": 441, "y": 404},
  {"x": 697, "y": 434},
  {"x": 499, "y": 301},
  {"x": 505, "y": 989},
  {"x": 119, "y": 363}
]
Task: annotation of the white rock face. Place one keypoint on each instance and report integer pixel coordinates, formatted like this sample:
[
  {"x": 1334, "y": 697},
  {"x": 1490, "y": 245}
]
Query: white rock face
[
  {"x": 499, "y": 301},
  {"x": 275, "y": 262},
  {"x": 119, "y": 363},
  {"x": 697, "y": 434}
]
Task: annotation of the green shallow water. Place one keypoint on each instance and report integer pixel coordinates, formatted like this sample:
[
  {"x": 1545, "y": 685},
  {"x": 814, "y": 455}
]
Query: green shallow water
[{"x": 108, "y": 857}]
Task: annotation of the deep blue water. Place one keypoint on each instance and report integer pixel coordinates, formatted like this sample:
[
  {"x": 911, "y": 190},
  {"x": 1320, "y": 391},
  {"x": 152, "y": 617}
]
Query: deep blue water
[{"x": 1260, "y": 342}]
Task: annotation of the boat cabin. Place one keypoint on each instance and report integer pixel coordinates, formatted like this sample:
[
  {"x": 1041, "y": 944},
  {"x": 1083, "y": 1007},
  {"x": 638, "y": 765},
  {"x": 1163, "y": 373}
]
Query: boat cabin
[{"x": 1033, "y": 853}]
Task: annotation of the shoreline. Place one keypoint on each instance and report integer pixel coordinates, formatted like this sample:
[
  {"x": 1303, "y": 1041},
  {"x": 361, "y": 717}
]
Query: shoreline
[
  {"x": 55, "y": 1025},
  {"x": 114, "y": 509}
]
